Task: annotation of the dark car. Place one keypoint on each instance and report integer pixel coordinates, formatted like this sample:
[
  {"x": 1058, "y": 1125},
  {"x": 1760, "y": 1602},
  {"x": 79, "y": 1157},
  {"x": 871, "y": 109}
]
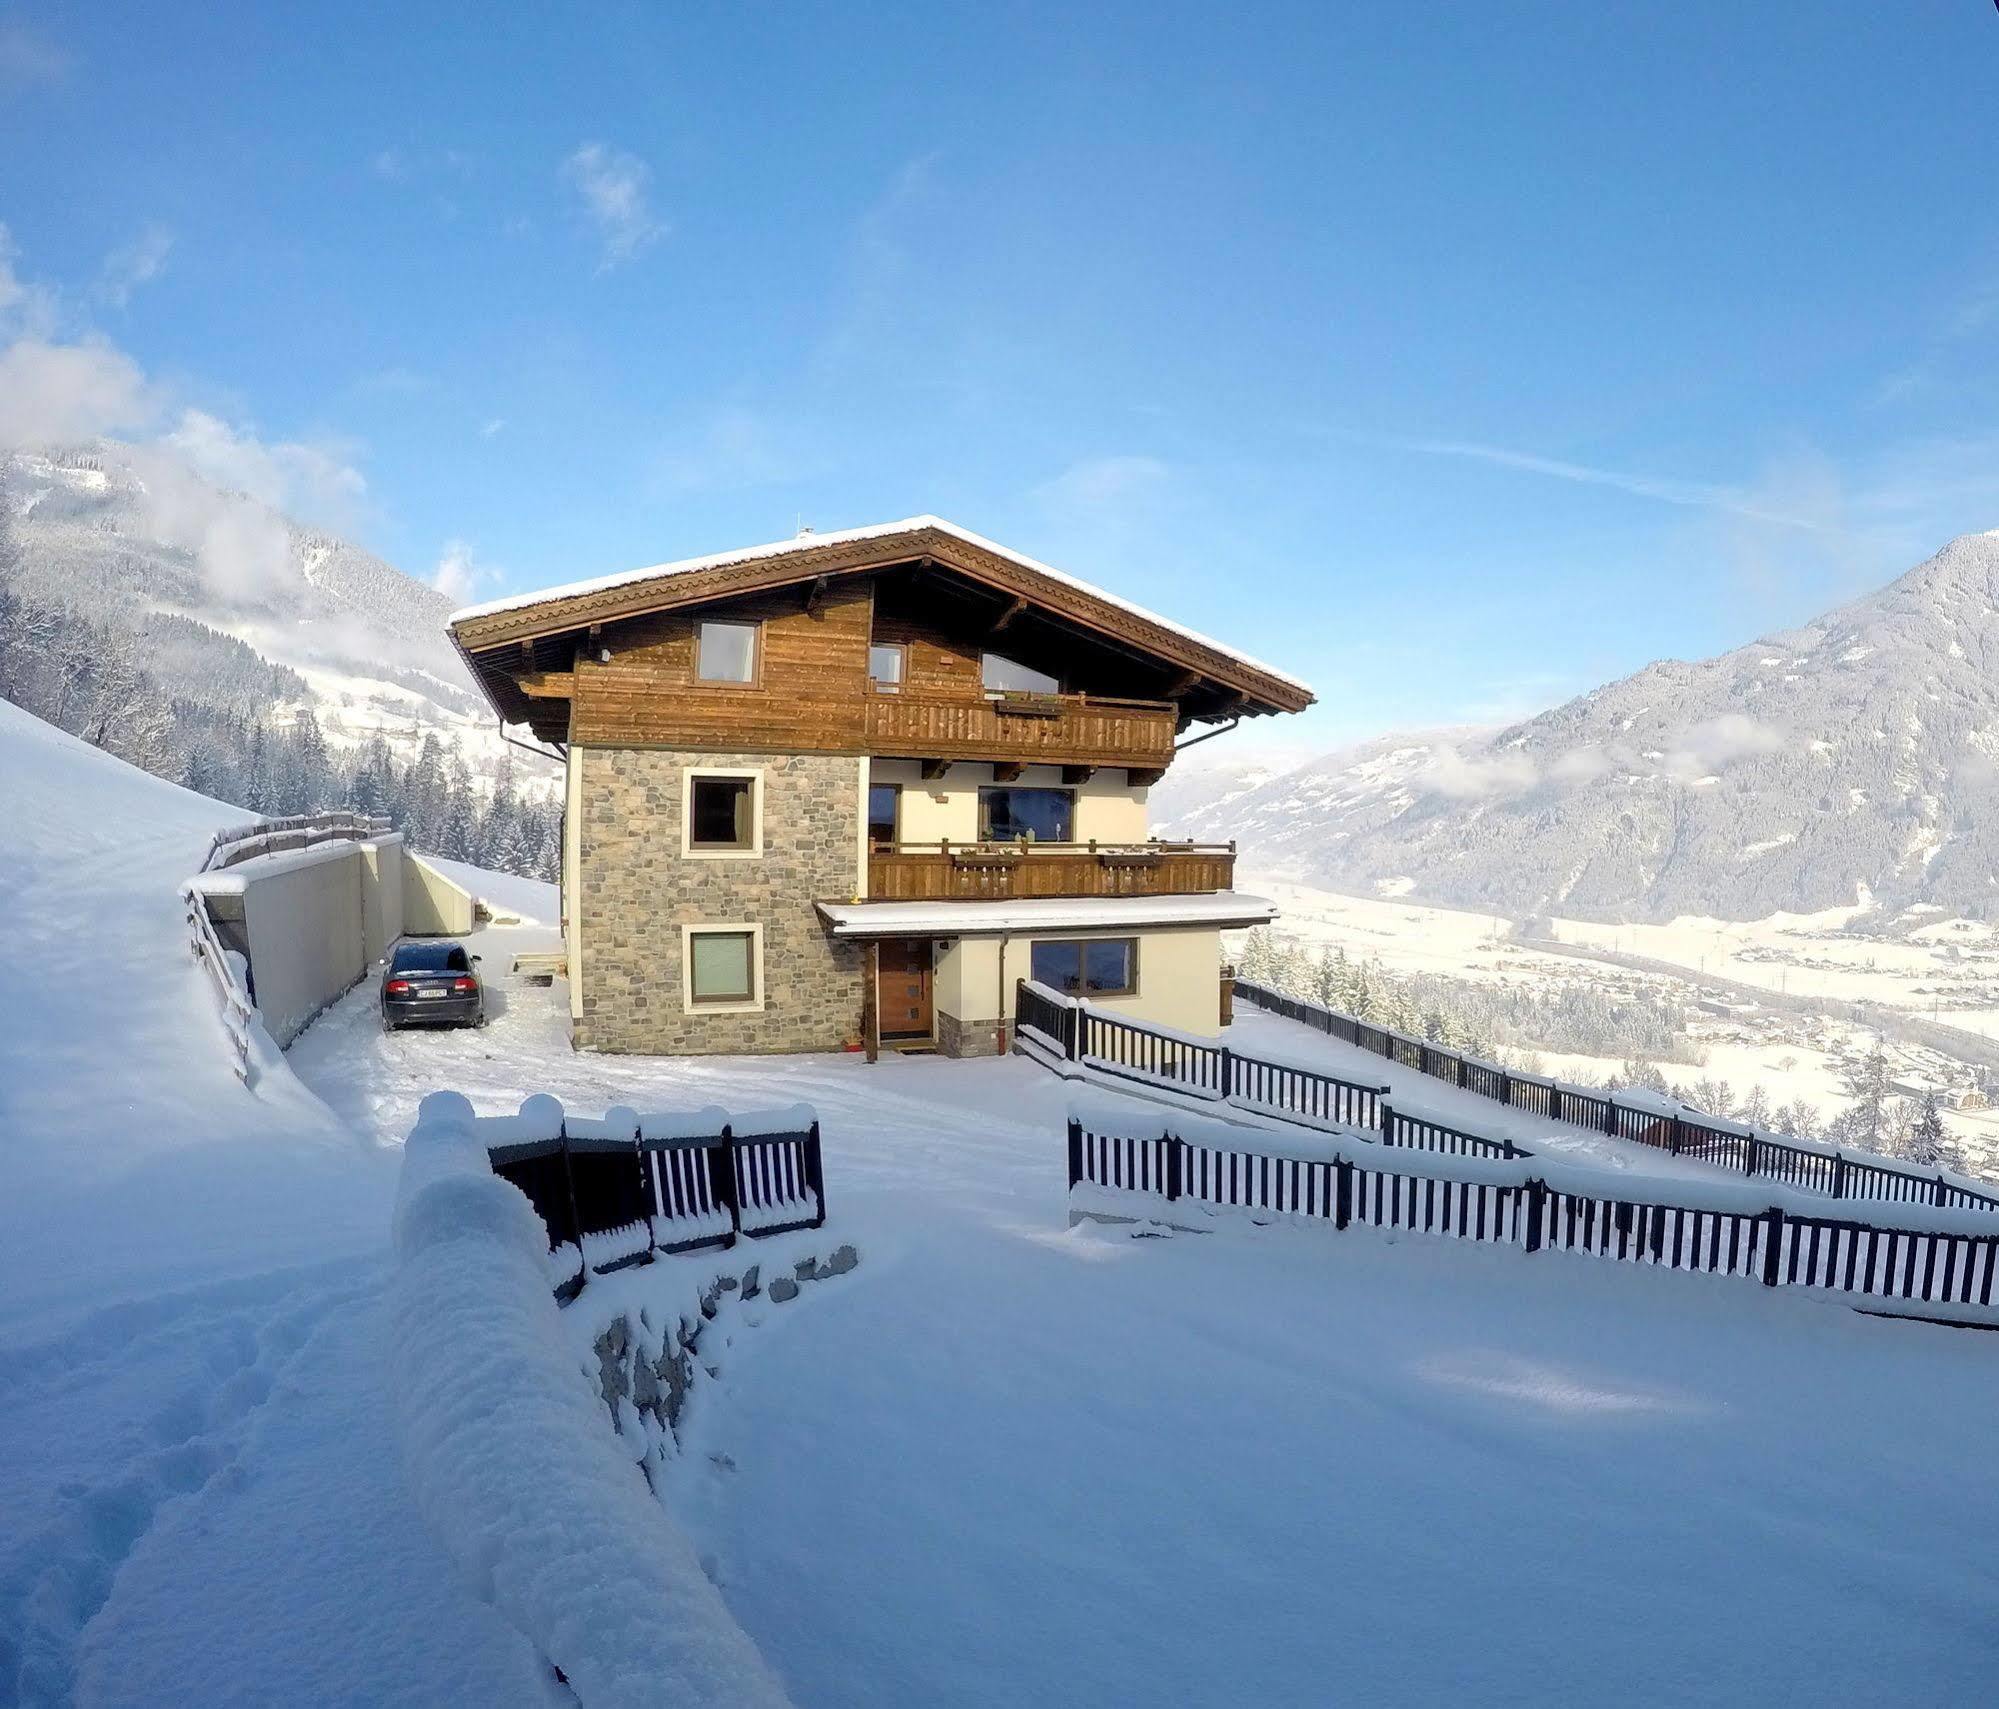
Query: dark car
[{"x": 432, "y": 984}]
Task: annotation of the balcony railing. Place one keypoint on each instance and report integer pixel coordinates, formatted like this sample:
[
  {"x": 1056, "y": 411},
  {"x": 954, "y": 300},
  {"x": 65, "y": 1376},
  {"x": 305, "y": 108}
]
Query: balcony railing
[
  {"x": 1048, "y": 729},
  {"x": 971, "y": 872}
]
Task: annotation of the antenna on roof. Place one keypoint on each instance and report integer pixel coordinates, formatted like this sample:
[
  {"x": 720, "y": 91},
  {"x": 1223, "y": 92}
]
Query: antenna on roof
[{"x": 804, "y": 527}]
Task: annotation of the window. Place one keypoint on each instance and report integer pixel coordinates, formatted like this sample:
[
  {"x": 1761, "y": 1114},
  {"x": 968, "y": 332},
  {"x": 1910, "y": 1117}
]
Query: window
[
  {"x": 430, "y": 958},
  {"x": 721, "y": 812},
  {"x": 884, "y": 805},
  {"x": 721, "y": 966},
  {"x": 726, "y": 652},
  {"x": 1008, "y": 814},
  {"x": 997, "y": 671},
  {"x": 1097, "y": 967},
  {"x": 886, "y": 664}
]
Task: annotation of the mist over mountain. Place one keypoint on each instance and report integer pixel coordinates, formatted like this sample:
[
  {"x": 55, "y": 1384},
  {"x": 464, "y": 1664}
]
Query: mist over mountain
[
  {"x": 1857, "y": 753},
  {"x": 233, "y": 607}
]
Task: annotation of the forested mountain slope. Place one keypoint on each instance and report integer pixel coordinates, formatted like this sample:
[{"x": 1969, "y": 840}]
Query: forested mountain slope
[{"x": 1856, "y": 751}]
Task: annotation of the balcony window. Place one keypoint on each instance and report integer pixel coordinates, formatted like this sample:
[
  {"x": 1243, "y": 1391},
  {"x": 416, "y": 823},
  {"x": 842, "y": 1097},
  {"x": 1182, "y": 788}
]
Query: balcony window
[
  {"x": 1008, "y": 814},
  {"x": 726, "y": 652},
  {"x": 1096, "y": 967},
  {"x": 1003, "y": 675},
  {"x": 884, "y": 804},
  {"x": 887, "y": 665}
]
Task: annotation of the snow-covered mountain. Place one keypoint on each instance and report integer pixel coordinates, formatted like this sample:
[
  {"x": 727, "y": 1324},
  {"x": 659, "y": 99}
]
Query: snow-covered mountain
[
  {"x": 1860, "y": 751},
  {"x": 234, "y": 605}
]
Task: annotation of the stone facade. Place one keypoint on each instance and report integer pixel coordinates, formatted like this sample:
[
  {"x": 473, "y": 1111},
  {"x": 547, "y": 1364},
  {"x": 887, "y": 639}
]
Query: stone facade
[
  {"x": 969, "y": 1038},
  {"x": 636, "y": 890}
]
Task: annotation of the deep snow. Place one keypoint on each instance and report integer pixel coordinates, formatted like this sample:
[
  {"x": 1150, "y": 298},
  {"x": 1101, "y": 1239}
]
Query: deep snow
[{"x": 1007, "y": 1461}]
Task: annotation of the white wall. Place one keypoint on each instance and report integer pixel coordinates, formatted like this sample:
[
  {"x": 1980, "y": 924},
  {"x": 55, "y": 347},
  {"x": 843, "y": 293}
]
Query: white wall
[
  {"x": 381, "y": 895},
  {"x": 572, "y": 868},
  {"x": 432, "y": 905},
  {"x": 302, "y": 921},
  {"x": 1179, "y": 977},
  {"x": 1109, "y": 808}
]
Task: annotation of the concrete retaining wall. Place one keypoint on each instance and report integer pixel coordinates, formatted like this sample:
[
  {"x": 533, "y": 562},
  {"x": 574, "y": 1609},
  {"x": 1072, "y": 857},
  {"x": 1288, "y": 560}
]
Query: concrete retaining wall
[{"x": 433, "y": 906}]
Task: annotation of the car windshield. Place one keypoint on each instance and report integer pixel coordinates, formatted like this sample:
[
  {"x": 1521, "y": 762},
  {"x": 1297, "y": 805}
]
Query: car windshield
[{"x": 431, "y": 958}]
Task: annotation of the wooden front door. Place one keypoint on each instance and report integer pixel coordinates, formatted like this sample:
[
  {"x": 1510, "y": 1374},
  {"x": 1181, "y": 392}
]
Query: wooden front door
[{"x": 903, "y": 988}]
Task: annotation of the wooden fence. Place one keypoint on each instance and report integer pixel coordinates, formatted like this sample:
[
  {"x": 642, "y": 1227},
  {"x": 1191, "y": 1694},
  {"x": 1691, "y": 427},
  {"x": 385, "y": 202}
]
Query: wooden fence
[
  {"x": 1937, "y": 1267},
  {"x": 1110, "y": 1044},
  {"x": 1672, "y": 1128},
  {"x": 619, "y": 1195}
]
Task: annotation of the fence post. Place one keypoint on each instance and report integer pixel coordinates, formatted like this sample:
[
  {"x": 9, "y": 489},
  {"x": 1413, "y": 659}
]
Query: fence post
[
  {"x": 1387, "y": 1123},
  {"x": 1751, "y": 1168},
  {"x": 1343, "y": 1192},
  {"x": 1174, "y": 1168},
  {"x": 1226, "y": 1069},
  {"x": 575, "y": 1221},
  {"x": 815, "y": 1172},
  {"x": 1461, "y": 1070},
  {"x": 1505, "y": 1087},
  {"x": 1075, "y": 1151},
  {"x": 1610, "y": 1117},
  {"x": 1554, "y": 1101},
  {"x": 1537, "y": 1192},
  {"x": 1673, "y": 1138},
  {"x": 722, "y": 1184},
  {"x": 1839, "y": 1175},
  {"x": 1942, "y": 1189},
  {"x": 1072, "y": 1035},
  {"x": 1773, "y": 1246}
]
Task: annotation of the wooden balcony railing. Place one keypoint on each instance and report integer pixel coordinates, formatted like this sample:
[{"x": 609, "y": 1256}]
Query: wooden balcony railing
[
  {"x": 972, "y": 872},
  {"x": 1046, "y": 729}
]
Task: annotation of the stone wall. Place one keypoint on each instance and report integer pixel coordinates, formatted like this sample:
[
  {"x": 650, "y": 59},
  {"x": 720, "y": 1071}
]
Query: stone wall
[{"x": 636, "y": 890}]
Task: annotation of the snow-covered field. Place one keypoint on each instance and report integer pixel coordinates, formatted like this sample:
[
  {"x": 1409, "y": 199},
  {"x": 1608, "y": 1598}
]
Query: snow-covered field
[{"x": 1006, "y": 1461}]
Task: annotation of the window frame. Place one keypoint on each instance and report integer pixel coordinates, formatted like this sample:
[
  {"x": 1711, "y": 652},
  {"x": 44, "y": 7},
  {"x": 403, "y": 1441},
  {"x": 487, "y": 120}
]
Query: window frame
[
  {"x": 755, "y": 679},
  {"x": 985, "y": 687},
  {"x": 986, "y": 833},
  {"x": 1083, "y": 946},
  {"x": 901, "y": 651},
  {"x": 689, "y": 848},
  {"x": 895, "y": 830},
  {"x": 693, "y": 1005}
]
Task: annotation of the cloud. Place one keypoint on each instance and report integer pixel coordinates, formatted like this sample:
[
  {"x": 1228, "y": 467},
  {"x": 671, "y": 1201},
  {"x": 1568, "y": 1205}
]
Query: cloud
[
  {"x": 1467, "y": 778},
  {"x": 1715, "y": 742},
  {"x": 458, "y": 576},
  {"x": 27, "y": 59},
  {"x": 1694, "y": 494},
  {"x": 488, "y": 429},
  {"x": 614, "y": 187},
  {"x": 126, "y": 269},
  {"x": 316, "y": 483},
  {"x": 51, "y": 394}
]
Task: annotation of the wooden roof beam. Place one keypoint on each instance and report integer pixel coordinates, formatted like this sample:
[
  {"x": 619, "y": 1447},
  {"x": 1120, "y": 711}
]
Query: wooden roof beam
[
  {"x": 547, "y": 685},
  {"x": 1007, "y": 616}
]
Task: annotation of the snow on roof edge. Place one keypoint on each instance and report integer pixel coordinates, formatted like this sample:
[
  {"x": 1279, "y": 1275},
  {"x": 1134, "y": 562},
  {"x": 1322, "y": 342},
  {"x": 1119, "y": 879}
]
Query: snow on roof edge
[{"x": 844, "y": 536}]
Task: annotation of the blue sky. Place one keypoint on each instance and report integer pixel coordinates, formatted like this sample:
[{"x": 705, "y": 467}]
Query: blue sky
[{"x": 1454, "y": 357}]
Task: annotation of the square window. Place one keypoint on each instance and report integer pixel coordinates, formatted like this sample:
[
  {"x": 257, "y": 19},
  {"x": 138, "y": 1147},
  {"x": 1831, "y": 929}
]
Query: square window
[
  {"x": 885, "y": 665},
  {"x": 1010, "y": 676},
  {"x": 721, "y": 812},
  {"x": 721, "y": 967},
  {"x": 726, "y": 652}
]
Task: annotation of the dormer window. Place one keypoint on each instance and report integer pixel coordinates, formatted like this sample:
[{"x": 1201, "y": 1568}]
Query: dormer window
[{"x": 1003, "y": 675}]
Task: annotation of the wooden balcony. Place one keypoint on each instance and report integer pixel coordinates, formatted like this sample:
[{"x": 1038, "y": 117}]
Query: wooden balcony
[
  {"x": 1027, "y": 729},
  {"x": 999, "y": 872}
]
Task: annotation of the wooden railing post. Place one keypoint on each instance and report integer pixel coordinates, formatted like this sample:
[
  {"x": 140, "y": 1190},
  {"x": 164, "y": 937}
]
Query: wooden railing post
[
  {"x": 575, "y": 1219},
  {"x": 1537, "y": 1193},
  {"x": 1505, "y": 1087},
  {"x": 1942, "y": 1191},
  {"x": 1674, "y": 1136},
  {"x": 1075, "y": 1152},
  {"x": 1773, "y": 1246},
  {"x": 1174, "y": 1171},
  {"x": 815, "y": 1172},
  {"x": 1342, "y": 1192},
  {"x": 1839, "y": 1174},
  {"x": 1750, "y": 1149},
  {"x": 1554, "y": 1101},
  {"x": 1225, "y": 1073},
  {"x": 1387, "y": 1123},
  {"x": 723, "y": 1187}
]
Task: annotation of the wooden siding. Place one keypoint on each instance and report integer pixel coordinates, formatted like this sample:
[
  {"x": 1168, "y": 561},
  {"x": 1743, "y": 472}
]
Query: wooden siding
[
  {"x": 1067, "y": 729},
  {"x": 988, "y": 872}
]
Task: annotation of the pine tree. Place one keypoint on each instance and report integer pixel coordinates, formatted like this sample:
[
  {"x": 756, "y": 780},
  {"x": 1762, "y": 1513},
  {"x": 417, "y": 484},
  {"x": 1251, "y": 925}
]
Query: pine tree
[{"x": 1927, "y": 1141}]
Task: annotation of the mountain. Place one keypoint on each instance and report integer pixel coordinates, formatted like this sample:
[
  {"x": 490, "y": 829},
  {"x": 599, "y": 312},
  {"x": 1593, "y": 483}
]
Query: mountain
[
  {"x": 233, "y": 608},
  {"x": 1858, "y": 753}
]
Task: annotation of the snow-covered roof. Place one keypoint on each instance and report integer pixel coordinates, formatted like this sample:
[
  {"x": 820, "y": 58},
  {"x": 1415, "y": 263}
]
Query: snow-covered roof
[
  {"x": 1222, "y": 909},
  {"x": 847, "y": 536}
]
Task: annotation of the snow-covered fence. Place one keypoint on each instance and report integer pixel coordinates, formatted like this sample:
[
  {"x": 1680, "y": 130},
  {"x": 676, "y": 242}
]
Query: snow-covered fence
[
  {"x": 619, "y": 1190},
  {"x": 1936, "y": 1257},
  {"x": 540, "y": 1506},
  {"x": 297, "y": 831},
  {"x": 1179, "y": 1062},
  {"x": 1651, "y": 1120}
]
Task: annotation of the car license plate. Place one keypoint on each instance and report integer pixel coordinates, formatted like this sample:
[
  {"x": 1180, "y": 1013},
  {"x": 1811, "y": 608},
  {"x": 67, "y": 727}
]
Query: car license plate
[{"x": 432, "y": 991}]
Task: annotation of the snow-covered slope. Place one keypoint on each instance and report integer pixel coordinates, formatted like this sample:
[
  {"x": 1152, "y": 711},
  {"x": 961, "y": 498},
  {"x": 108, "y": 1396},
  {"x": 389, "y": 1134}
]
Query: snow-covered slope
[
  {"x": 236, "y": 606},
  {"x": 1859, "y": 750},
  {"x": 135, "y": 1162}
]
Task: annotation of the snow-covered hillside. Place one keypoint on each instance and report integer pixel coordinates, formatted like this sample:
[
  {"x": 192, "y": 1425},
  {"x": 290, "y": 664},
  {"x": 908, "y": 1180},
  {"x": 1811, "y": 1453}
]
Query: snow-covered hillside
[
  {"x": 236, "y": 607},
  {"x": 1861, "y": 750}
]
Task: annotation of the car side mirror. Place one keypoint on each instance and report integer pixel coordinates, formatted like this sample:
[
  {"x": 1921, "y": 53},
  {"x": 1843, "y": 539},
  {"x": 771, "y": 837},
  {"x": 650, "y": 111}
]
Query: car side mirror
[{"x": 477, "y": 959}]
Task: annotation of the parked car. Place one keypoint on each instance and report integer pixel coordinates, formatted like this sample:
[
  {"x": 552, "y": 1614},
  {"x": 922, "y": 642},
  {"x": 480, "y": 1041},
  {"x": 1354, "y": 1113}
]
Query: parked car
[{"x": 432, "y": 984}]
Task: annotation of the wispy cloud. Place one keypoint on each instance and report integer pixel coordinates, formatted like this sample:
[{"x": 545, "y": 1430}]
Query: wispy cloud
[
  {"x": 1693, "y": 494},
  {"x": 28, "y": 59},
  {"x": 127, "y": 268},
  {"x": 615, "y": 188},
  {"x": 459, "y": 575},
  {"x": 490, "y": 428}
]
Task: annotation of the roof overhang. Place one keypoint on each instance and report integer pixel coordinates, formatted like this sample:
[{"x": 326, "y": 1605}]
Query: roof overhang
[
  {"x": 1221, "y": 910},
  {"x": 498, "y": 640}
]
